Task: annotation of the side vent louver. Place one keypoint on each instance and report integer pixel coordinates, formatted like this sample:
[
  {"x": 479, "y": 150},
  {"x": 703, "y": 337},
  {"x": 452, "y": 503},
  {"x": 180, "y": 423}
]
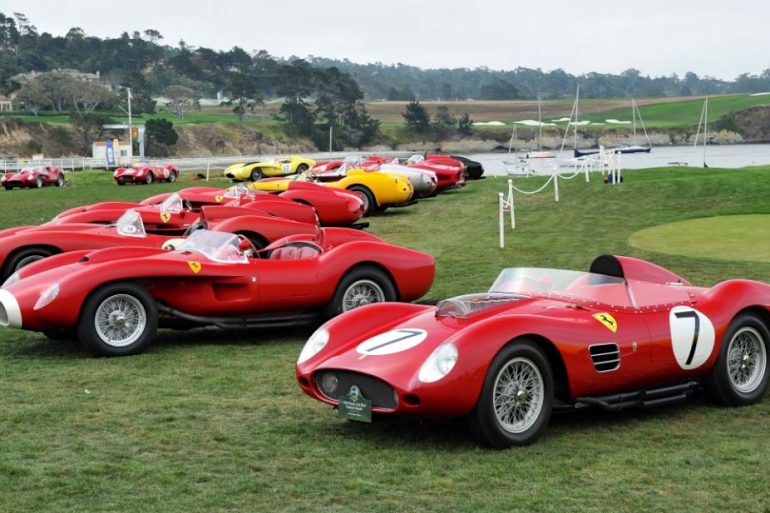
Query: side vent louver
[{"x": 606, "y": 357}]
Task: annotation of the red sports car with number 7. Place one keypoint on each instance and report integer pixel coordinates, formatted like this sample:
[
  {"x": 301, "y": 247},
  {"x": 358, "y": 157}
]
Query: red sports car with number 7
[{"x": 627, "y": 334}]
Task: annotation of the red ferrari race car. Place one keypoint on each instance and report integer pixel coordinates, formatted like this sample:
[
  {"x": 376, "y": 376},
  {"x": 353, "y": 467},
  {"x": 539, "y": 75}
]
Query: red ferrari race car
[
  {"x": 114, "y": 299},
  {"x": 335, "y": 207},
  {"x": 26, "y": 244},
  {"x": 628, "y": 334},
  {"x": 33, "y": 177},
  {"x": 145, "y": 174},
  {"x": 175, "y": 214},
  {"x": 449, "y": 175}
]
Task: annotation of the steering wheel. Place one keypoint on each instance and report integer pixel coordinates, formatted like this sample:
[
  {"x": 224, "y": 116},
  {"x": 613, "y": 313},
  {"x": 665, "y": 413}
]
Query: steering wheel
[{"x": 247, "y": 247}]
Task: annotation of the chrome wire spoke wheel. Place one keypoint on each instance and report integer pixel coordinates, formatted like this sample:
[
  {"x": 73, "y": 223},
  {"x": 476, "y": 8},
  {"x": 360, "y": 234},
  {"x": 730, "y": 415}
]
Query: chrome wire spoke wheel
[
  {"x": 120, "y": 320},
  {"x": 746, "y": 360},
  {"x": 362, "y": 292},
  {"x": 518, "y": 395}
]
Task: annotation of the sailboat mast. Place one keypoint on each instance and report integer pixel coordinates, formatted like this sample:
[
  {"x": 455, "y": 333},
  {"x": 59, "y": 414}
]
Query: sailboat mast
[
  {"x": 633, "y": 116},
  {"x": 577, "y": 96},
  {"x": 539, "y": 122},
  {"x": 705, "y": 129}
]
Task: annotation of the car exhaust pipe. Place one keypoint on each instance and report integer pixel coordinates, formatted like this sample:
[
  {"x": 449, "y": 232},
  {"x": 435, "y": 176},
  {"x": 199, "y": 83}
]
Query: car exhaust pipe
[{"x": 10, "y": 313}]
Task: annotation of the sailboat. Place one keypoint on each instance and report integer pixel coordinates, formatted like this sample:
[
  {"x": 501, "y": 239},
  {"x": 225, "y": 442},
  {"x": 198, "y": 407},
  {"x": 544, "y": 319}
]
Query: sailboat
[
  {"x": 704, "y": 120},
  {"x": 632, "y": 147}
]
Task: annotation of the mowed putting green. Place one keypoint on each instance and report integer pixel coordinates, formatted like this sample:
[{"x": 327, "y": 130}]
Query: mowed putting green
[{"x": 733, "y": 237}]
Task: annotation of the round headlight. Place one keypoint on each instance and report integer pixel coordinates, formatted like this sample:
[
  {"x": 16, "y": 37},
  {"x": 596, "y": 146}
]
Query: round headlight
[
  {"x": 314, "y": 344},
  {"x": 329, "y": 383},
  {"x": 11, "y": 279},
  {"x": 47, "y": 296},
  {"x": 440, "y": 362}
]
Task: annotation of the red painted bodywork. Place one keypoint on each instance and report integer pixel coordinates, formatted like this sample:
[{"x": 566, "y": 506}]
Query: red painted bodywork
[
  {"x": 563, "y": 327},
  {"x": 217, "y": 290},
  {"x": 138, "y": 174},
  {"x": 175, "y": 223},
  {"x": 60, "y": 237},
  {"x": 49, "y": 175},
  {"x": 334, "y": 207}
]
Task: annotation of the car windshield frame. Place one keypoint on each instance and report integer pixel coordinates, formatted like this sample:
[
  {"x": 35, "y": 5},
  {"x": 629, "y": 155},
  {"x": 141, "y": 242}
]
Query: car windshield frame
[
  {"x": 236, "y": 191},
  {"x": 219, "y": 247},
  {"x": 173, "y": 204},
  {"x": 130, "y": 224}
]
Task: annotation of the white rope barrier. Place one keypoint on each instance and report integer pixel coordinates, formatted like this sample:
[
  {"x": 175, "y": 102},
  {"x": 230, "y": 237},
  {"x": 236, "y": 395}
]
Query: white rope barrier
[{"x": 541, "y": 189}]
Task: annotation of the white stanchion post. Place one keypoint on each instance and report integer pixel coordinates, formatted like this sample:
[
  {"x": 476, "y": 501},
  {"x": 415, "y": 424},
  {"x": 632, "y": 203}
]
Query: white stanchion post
[
  {"x": 501, "y": 203},
  {"x": 556, "y": 186},
  {"x": 510, "y": 204}
]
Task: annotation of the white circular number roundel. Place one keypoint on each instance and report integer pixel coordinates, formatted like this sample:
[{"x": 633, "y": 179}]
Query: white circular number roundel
[
  {"x": 392, "y": 342},
  {"x": 692, "y": 336}
]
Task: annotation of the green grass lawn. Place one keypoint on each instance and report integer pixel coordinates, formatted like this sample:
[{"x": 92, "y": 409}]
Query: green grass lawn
[{"x": 208, "y": 420}]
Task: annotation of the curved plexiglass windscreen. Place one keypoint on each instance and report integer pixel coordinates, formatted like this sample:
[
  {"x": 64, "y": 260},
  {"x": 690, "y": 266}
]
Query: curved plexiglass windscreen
[
  {"x": 518, "y": 283},
  {"x": 216, "y": 246},
  {"x": 173, "y": 204},
  {"x": 415, "y": 159},
  {"x": 130, "y": 224},
  {"x": 236, "y": 191}
]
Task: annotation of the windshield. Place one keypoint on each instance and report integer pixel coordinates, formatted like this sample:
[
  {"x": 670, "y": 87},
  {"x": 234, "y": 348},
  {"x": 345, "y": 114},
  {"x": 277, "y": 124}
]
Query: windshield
[
  {"x": 415, "y": 159},
  {"x": 352, "y": 161},
  {"x": 172, "y": 204},
  {"x": 216, "y": 246},
  {"x": 130, "y": 224},
  {"x": 236, "y": 191},
  {"x": 531, "y": 281}
]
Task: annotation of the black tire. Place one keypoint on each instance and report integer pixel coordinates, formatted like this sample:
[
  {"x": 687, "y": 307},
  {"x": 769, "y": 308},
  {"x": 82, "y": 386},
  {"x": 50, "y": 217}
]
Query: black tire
[
  {"x": 256, "y": 174},
  {"x": 172, "y": 177},
  {"x": 360, "y": 286},
  {"x": 24, "y": 257},
  {"x": 525, "y": 357},
  {"x": 121, "y": 183},
  {"x": 302, "y": 168},
  {"x": 370, "y": 205},
  {"x": 740, "y": 374},
  {"x": 110, "y": 303},
  {"x": 149, "y": 178},
  {"x": 39, "y": 182},
  {"x": 60, "y": 181},
  {"x": 8, "y": 188}
]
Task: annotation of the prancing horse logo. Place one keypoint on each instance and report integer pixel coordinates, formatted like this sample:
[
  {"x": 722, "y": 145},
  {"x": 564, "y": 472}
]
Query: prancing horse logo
[{"x": 607, "y": 320}]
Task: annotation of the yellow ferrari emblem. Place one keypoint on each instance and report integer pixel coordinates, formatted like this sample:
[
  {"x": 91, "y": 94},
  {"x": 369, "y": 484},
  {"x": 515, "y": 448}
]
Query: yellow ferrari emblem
[
  {"x": 165, "y": 216},
  {"x": 219, "y": 198},
  {"x": 195, "y": 266},
  {"x": 607, "y": 320}
]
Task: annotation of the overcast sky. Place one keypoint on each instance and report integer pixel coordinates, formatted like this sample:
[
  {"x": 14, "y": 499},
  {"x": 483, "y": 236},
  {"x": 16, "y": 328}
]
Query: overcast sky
[{"x": 658, "y": 37}]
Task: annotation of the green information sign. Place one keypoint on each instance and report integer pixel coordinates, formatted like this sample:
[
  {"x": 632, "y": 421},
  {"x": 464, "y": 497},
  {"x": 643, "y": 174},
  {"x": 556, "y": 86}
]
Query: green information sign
[{"x": 355, "y": 406}]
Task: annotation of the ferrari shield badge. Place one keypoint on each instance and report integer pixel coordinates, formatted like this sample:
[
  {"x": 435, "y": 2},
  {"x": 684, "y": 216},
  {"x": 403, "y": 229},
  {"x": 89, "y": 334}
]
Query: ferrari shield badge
[
  {"x": 607, "y": 320},
  {"x": 354, "y": 406},
  {"x": 195, "y": 266},
  {"x": 165, "y": 216},
  {"x": 218, "y": 199}
]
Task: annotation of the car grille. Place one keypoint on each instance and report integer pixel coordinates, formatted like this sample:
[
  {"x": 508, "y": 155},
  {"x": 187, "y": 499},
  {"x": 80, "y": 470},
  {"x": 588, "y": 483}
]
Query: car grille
[
  {"x": 380, "y": 393},
  {"x": 606, "y": 357}
]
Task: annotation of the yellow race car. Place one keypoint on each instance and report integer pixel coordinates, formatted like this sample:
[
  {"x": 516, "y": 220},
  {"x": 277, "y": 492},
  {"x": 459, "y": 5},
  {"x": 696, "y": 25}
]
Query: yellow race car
[
  {"x": 254, "y": 171},
  {"x": 379, "y": 190}
]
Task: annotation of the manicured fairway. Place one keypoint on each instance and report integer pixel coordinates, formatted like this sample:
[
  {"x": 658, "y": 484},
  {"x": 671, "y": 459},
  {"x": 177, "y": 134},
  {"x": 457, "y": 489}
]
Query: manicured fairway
[
  {"x": 208, "y": 420},
  {"x": 738, "y": 237}
]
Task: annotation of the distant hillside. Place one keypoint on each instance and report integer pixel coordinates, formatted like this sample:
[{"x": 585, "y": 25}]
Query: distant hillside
[{"x": 141, "y": 60}]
